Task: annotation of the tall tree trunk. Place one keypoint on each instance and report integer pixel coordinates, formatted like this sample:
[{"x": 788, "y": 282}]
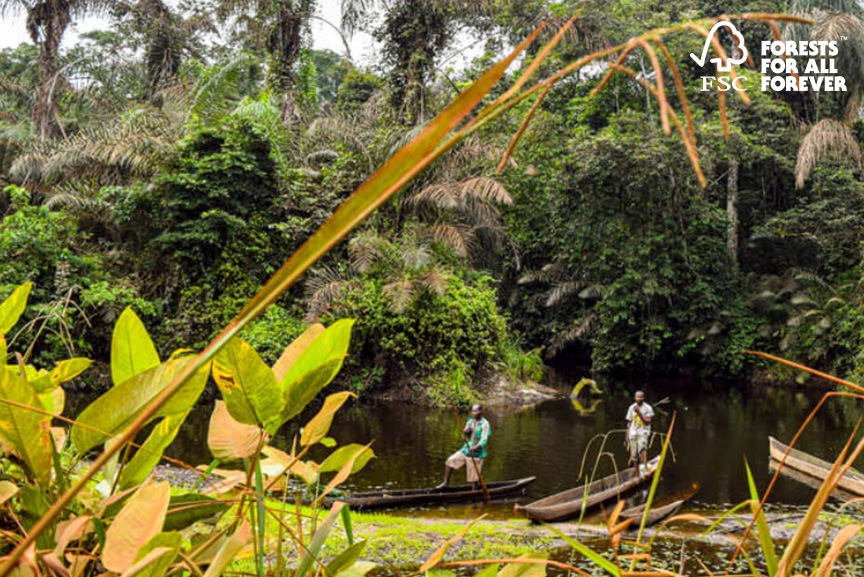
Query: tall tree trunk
[
  {"x": 46, "y": 23},
  {"x": 286, "y": 43},
  {"x": 732, "y": 207}
]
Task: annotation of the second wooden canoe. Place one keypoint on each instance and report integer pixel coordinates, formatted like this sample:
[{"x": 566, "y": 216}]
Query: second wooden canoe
[
  {"x": 655, "y": 515},
  {"x": 573, "y": 502},
  {"x": 851, "y": 482},
  {"x": 432, "y": 496}
]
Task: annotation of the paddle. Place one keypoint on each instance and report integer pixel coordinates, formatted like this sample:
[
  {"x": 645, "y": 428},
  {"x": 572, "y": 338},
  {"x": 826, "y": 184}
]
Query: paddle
[{"x": 473, "y": 462}]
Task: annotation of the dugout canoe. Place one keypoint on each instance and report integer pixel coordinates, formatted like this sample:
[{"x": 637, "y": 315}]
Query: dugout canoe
[
  {"x": 655, "y": 515},
  {"x": 851, "y": 482},
  {"x": 573, "y": 502},
  {"x": 809, "y": 480},
  {"x": 433, "y": 496}
]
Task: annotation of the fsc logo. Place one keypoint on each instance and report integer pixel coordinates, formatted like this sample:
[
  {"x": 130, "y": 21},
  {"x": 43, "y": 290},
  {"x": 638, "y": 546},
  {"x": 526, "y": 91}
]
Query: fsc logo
[{"x": 780, "y": 67}]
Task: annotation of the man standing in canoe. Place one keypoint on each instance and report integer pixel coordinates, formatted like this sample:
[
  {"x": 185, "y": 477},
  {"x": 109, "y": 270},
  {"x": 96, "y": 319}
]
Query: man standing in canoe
[
  {"x": 639, "y": 417},
  {"x": 472, "y": 453}
]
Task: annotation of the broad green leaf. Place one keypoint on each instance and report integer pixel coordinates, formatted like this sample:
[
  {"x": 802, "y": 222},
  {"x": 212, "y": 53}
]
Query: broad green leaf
[
  {"x": 248, "y": 386},
  {"x": 185, "y": 510},
  {"x": 155, "y": 564},
  {"x": 118, "y": 407},
  {"x": 315, "y": 367},
  {"x": 169, "y": 539},
  {"x": 12, "y": 308},
  {"x": 312, "y": 552},
  {"x": 140, "y": 519},
  {"x": 357, "y": 461},
  {"x": 231, "y": 547},
  {"x": 319, "y": 426},
  {"x": 26, "y": 431},
  {"x": 345, "y": 559},
  {"x": 337, "y": 459},
  {"x": 358, "y": 569},
  {"x": 328, "y": 442},
  {"x": 230, "y": 440},
  {"x": 7, "y": 491},
  {"x": 3, "y": 351},
  {"x": 132, "y": 349},
  {"x": 526, "y": 569},
  {"x": 150, "y": 453},
  {"x": 67, "y": 370},
  {"x": 53, "y": 400},
  {"x": 295, "y": 349},
  {"x": 440, "y": 573}
]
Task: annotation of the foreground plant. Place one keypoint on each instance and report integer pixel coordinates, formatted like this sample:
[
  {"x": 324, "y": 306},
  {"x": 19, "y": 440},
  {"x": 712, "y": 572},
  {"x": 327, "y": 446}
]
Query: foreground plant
[{"x": 127, "y": 523}]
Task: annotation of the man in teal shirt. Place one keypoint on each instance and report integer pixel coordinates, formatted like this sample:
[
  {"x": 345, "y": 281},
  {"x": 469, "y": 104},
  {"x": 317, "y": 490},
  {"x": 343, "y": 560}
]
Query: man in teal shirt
[{"x": 473, "y": 452}]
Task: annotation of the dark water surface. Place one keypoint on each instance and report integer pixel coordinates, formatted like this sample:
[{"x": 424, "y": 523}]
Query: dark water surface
[{"x": 717, "y": 426}]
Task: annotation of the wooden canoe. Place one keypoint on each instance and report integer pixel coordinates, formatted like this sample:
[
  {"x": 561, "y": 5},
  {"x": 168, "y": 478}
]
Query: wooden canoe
[
  {"x": 413, "y": 497},
  {"x": 573, "y": 502},
  {"x": 655, "y": 515},
  {"x": 812, "y": 482},
  {"x": 851, "y": 482}
]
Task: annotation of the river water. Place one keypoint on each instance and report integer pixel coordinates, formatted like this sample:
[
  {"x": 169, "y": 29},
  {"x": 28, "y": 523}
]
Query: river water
[{"x": 717, "y": 426}]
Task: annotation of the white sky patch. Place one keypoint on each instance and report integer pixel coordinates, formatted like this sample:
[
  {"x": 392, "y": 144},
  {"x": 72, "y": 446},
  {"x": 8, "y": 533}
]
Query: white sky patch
[{"x": 363, "y": 47}]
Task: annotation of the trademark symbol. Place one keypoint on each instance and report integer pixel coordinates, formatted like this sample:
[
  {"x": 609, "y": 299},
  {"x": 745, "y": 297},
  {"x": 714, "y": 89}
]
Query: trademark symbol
[{"x": 844, "y": 37}]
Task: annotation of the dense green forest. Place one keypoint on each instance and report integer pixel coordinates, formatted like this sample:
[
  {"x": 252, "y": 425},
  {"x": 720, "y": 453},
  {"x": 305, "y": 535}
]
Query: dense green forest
[{"x": 159, "y": 165}]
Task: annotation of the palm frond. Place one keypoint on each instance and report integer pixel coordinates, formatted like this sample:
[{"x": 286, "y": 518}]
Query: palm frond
[
  {"x": 487, "y": 189},
  {"x": 399, "y": 294},
  {"x": 828, "y": 139},
  {"x": 458, "y": 238},
  {"x": 324, "y": 288}
]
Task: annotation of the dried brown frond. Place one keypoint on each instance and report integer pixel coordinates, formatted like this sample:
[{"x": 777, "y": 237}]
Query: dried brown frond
[
  {"x": 486, "y": 189},
  {"x": 561, "y": 291},
  {"x": 459, "y": 238},
  {"x": 679, "y": 87},
  {"x": 365, "y": 249},
  {"x": 399, "y": 293},
  {"x": 435, "y": 282},
  {"x": 689, "y": 145},
  {"x": 838, "y": 26},
  {"x": 324, "y": 287},
  {"x": 661, "y": 89},
  {"x": 505, "y": 158},
  {"x": 828, "y": 139}
]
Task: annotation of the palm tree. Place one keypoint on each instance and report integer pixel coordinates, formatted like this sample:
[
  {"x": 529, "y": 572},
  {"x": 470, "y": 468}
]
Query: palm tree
[
  {"x": 830, "y": 138},
  {"x": 47, "y": 21},
  {"x": 414, "y": 33},
  {"x": 410, "y": 267},
  {"x": 277, "y": 26}
]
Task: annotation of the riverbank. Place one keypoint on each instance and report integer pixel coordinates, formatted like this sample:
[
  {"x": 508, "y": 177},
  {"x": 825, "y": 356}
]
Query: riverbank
[{"x": 405, "y": 542}]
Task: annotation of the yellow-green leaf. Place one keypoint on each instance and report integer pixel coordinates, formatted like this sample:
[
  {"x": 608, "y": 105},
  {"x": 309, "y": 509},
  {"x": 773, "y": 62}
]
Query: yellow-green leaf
[
  {"x": 155, "y": 564},
  {"x": 7, "y": 491},
  {"x": 150, "y": 453},
  {"x": 118, "y": 407},
  {"x": 356, "y": 461},
  {"x": 140, "y": 519},
  {"x": 132, "y": 349},
  {"x": 316, "y": 366},
  {"x": 526, "y": 569},
  {"x": 26, "y": 431},
  {"x": 231, "y": 547},
  {"x": 337, "y": 459},
  {"x": 3, "y": 351},
  {"x": 229, "y": 439},
  {"x": 248, "y": 386},
  {"x": 319, "y": 426},
  {"x": 13, "y": 307},
  {"x": 293, "y": 351},
  {"x": 67, "y": 370}
]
